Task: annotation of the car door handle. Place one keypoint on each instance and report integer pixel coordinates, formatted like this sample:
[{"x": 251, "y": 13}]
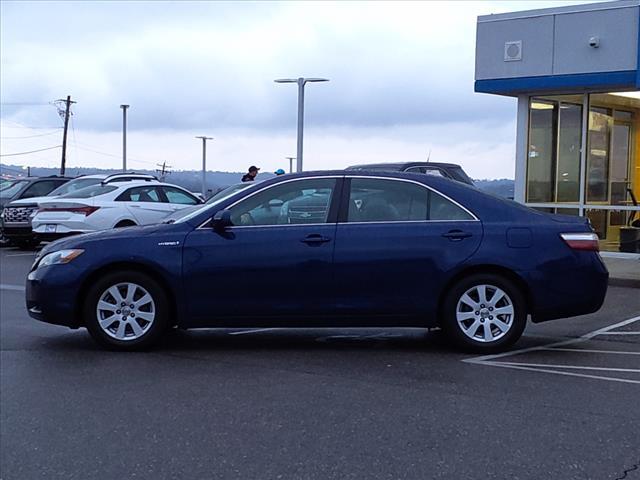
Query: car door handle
[
  {"x": 315, "y": 239},
  {"x": 456, "y": 235}
]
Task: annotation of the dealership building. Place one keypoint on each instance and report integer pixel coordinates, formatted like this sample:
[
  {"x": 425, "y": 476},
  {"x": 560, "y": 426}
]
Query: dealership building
[{"x": 576, "y": 74}]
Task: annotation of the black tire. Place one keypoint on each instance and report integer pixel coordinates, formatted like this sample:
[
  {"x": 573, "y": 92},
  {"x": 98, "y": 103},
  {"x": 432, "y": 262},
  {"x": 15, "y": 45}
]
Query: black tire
[
  {"x": 156, "y": 328},
  {"x": 125, "y": 223},
  {"x": 454, "y": 329}
]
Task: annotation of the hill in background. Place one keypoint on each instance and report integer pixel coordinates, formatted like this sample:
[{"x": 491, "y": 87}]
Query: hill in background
[{"x": 192, "y": 179}]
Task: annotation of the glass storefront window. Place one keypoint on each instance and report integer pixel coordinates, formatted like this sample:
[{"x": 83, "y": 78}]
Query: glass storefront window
[
  {"x": 600, "y": 121},
  {"x": 540, "y": 177},
  {"x": 555, "y": 138}
]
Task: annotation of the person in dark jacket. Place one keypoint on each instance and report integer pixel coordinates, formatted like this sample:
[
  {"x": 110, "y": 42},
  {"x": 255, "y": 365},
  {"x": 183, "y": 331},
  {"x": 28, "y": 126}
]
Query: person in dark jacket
[{"x": 251, "y": 176}]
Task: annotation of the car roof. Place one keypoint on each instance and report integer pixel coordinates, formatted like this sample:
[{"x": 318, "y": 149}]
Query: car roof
[{"x": 402, "y": 165}]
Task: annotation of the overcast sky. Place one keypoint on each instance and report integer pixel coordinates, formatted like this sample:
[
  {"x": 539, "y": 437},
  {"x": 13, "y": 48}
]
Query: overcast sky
[{"x": 401, "y": 83}]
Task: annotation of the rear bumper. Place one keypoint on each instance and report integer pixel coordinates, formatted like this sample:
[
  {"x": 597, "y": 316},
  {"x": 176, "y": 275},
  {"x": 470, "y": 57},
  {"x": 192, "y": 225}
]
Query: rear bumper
[{"x": 575, "y": 291}]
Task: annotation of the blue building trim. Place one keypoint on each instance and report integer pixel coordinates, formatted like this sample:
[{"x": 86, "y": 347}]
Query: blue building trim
[{"x": 627, "y": 79}]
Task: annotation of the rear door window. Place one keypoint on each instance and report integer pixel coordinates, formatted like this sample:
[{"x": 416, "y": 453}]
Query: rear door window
[
  {"x": 388, "y": 200},
  {"x": 140, "y": 194}
]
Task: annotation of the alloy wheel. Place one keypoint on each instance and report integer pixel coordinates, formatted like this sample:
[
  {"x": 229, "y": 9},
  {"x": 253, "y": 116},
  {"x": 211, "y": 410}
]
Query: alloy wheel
[
  {"x": 125, "y": 311},
  {"x": 485, "y": 313}
]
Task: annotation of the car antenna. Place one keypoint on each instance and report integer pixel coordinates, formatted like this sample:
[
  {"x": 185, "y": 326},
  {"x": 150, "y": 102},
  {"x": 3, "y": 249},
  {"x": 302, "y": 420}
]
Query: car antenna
[{"x": 429, "y": 156}]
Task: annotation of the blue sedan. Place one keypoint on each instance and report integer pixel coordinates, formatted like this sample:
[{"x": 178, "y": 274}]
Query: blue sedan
[{"x": 328, "y": 249}]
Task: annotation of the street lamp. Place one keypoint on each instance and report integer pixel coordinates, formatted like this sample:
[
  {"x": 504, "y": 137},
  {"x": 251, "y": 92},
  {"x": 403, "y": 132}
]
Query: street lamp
[
  {"x": 301, "y": 83},
  {"x": 291, "y": 159},
  {"x": 204, "y": 163},
  {"x": 124, "y": 137}
]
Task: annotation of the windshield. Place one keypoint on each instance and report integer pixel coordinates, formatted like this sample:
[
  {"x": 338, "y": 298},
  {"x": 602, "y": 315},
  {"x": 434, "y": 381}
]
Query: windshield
[
  {"x": 73, "y": 185},
  {"x": 217, "y": 198},
  {"x": 225, "y": 192},
  {"x": 92, "y": 191},
  {"x": 10, "y": 190}
]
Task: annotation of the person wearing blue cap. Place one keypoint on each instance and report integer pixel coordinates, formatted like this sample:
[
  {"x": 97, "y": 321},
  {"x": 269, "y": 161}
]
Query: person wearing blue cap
[{"x": 279, "y": 172}]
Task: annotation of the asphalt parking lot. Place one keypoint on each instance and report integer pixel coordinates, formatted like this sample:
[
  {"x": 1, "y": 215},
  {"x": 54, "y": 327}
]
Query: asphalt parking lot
[{"x": 340, "y": 403}]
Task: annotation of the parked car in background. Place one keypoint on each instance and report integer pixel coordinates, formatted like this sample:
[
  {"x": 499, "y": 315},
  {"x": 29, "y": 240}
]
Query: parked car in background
[
  {"x": 29, "y": 187},
  {"x": 16, "y": 216},
  {"x": 327, "y": 249},
  {"x": 109, "y": 205},
  {"x": 446, "y": 170}
]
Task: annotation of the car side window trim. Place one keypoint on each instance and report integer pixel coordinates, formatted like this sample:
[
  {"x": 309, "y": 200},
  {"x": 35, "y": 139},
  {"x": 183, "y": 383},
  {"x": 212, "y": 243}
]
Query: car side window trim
[
  {"x": 347, "y": 181},
  {"x": 332, "y": 216}
]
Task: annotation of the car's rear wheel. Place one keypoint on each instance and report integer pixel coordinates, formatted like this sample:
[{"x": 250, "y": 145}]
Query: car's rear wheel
[
  {"x": 484, "y": 313},
  {"x": 126, "y": 311}
]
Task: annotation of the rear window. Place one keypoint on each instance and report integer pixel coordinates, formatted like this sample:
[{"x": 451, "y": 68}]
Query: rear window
[
  {"x": 74, "y": 185},
  {"x": 92, "y": 191}
]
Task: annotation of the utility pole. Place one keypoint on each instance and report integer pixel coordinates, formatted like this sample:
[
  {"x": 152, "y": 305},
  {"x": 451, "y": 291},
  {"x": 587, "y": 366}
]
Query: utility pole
[
  {"x": 164, "y": 170},
  {"x": 204, "y": 163},
  {"x": 67, "y": 113},
  {"x": 124, "y": 137},
  {"x": 291, "y": 159}
]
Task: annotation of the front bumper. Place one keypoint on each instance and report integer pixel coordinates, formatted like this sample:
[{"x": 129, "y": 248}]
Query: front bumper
[
  {"x": 18, "y": 231},
  {"x": 51, "y": 294}
]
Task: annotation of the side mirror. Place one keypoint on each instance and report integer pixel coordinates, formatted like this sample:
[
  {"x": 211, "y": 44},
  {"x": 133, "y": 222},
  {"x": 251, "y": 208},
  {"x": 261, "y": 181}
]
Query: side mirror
[{"x": 221, "y": 220}]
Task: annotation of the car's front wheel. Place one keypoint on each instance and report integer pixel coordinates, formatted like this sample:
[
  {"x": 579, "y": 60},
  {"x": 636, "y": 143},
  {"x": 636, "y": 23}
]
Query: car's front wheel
[
  {"x": 126, "y": 311},
  {"x": 484, "y": 313}
]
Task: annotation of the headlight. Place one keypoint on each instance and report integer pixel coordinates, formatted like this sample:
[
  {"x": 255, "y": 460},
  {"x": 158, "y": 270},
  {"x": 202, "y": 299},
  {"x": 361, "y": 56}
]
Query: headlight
[{"x": 61, "y": 256}]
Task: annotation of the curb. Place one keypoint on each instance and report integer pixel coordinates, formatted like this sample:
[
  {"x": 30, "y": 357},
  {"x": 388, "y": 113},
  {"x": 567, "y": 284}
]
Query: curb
[{"x": 624, "y": 282}]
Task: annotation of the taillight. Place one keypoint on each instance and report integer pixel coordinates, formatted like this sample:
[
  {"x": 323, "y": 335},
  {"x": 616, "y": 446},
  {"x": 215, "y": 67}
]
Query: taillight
[
  {"x": 581, "y": 241},
  {"x": 86, "y": 211}
]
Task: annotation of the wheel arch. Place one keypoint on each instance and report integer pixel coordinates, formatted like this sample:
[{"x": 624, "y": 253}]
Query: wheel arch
[
  {"x": 504, "y": 272},
  {"x": 127, "y": 221},
  {"x": 120, "y": 266}
]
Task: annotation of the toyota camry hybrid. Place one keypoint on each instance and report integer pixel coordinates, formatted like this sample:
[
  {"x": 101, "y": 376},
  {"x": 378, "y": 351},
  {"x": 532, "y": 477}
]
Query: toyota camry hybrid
[{"x": 328, "y": 249}]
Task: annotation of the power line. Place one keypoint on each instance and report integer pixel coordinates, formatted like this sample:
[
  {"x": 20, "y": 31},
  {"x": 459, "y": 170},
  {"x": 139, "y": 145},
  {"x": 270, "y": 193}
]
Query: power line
[
  {"x": 75, "y": 143},
  {"x": 24, "y": 104},
  {"x": 82, "y": 146},
  {"x": 22, "y": 125},
  {"x": 32, "y": 151},
  {"x": 32, "y": 136}
]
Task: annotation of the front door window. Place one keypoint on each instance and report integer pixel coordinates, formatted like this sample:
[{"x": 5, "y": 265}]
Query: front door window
[{"x": 291, "y": 203}]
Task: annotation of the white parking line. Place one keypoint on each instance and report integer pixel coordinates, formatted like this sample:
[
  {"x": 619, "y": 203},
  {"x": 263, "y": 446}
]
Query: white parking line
[
  {"x": 620, "y": 333},
  {"x": 252, "y": 331},
  {"x": 13, "y": 288},
  {"x": 490, "y": 360},
  {"x": 615, "y": 352},
  {"x": 556, "y": 372},
  {"x": 571, "y": 367}
]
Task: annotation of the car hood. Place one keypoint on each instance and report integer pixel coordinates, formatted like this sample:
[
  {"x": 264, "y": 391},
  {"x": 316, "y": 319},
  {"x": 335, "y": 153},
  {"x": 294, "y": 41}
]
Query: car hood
[{"x": 123, "y": 234}]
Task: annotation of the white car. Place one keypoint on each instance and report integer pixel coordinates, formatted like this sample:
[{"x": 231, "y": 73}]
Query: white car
[
  {"x": 16, "y": 216},
  {"x": 113, "y": 205}
]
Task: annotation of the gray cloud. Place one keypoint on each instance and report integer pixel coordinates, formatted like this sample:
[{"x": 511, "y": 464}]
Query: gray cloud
[{"x": 195, "y": 65}]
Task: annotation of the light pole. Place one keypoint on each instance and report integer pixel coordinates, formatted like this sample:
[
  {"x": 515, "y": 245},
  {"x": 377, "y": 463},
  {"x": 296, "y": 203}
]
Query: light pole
[
  {"x": 124, "y": 137},
  {"x": 301, "y": 83},
  {"x": 204, "y": 163},
  {"x": 291, "y": 159}
]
